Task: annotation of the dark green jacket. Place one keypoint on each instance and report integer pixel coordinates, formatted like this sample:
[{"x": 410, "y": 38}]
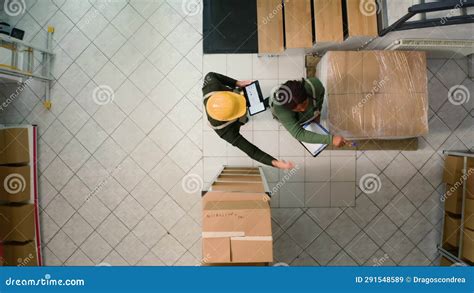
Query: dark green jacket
[
  {"x": 292, "y": 120},
  {"x": 231, "y": 133}
]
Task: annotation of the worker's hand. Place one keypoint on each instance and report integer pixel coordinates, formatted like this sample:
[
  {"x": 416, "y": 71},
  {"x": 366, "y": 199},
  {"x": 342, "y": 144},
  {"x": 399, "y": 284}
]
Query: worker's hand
[
  {"x": 338, "y": 141},
  {"x": 283, "y": 164},
  {"x": 243, "y": 83}
]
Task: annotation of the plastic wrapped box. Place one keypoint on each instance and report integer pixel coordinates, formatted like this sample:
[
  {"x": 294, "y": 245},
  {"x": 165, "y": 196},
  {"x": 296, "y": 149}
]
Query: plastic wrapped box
[{"x": 375, "y": 94}]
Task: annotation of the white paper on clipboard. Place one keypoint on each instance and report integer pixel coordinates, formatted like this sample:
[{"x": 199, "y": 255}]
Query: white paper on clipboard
[{"x": 315, "y": 148}]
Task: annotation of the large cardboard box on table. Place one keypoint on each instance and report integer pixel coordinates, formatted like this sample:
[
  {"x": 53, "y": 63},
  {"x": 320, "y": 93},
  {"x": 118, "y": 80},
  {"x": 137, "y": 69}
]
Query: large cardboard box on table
[
  {"x": 19, "y": 254},
  {"x": 236, "y": 228},
  {"x": 15, "y": 184},
  {"x": 452, "y": 230},
  {"x": 375, "y": 94},
  {"x": 14, "y": 146},
  {"x": 17, "y": 223}
]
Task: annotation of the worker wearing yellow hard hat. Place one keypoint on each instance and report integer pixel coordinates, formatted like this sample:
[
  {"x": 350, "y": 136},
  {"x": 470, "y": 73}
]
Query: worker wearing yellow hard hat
[{"x": 226, "y": 112}]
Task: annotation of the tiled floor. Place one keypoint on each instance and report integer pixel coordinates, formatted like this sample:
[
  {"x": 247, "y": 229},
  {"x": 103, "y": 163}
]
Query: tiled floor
[{"x": 115, "y": 177}]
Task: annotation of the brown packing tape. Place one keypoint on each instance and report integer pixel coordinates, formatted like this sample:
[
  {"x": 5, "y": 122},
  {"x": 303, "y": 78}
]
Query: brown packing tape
[{"x": 17, "y": 223}]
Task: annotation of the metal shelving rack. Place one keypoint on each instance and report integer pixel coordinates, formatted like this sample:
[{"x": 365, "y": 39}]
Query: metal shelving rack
[
  {"x": 457, "y": 258},
  {"x": 26, "y": 69}
]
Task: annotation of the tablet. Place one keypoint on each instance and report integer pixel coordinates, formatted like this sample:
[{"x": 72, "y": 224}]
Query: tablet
[
  {"x": 255, "y": 99},
  {"x": 315, "y": 148}
]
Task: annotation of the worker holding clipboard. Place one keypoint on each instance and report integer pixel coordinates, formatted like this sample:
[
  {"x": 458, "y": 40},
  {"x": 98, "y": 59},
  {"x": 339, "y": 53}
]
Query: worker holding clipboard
[
  {"x": 297, "y": 105},
  {"x": 226, "y": 108}
]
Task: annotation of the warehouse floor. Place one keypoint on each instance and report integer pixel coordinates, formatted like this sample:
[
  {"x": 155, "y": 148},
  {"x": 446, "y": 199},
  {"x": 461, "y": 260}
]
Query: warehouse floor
[{"x": 121, "y": 169}]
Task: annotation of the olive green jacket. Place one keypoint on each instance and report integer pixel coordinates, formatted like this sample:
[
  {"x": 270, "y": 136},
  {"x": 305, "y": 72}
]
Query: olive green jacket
[
  {"x": 231, "y": 133},
  {"x": 292, "y": 120}
]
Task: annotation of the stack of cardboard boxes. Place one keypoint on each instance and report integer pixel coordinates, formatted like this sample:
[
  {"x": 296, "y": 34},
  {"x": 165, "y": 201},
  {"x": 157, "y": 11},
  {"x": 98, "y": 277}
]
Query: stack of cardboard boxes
[
  {"x": 236, "y": 220},
  {"x": 18, "y": 227},
  {"x": 454, "y": 177}
]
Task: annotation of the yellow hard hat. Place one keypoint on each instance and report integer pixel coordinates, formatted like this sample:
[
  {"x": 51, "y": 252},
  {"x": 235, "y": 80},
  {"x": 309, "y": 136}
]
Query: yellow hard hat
[{"x": 226, "y": 106}]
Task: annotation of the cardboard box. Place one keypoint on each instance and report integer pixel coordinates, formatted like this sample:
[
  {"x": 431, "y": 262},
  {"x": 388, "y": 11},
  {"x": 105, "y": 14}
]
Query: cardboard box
[
  {"x": 239, "y": 178},
  {"x": 252, "y": 249},
  {"x": 453, "y": 199},
  {"x": 469, "y": 214},
  {"x": 238, "y": 187},
  {"x": 17, "y": 223},
  {"x": 234, "y": 225},
  {"x": 375, "y": 94},
  {"x": 20, "y": 254},
  {"x": 444, "y": 262},
  {"x": 470, "y": 182},
  {"x": 468, "y": 245},
  {"x": 14, "y": 146},
  {"x": 328, "y": 21},
  {"x": 452, "y": 230},
  {"x": 360, "y": 22},
  {"x": 453, "y": 166},
  {"x": 15, "y": 184}
]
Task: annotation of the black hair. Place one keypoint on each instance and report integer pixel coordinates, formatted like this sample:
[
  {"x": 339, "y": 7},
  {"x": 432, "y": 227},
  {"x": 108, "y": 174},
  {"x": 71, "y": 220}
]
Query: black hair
[{"x": 291, "y": 94}]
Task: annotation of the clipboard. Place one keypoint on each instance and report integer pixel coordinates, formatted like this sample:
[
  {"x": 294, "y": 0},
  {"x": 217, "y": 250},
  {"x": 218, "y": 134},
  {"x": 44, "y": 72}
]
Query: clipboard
[
  {"x": 315, "y": 148},
  {"x": 254, "y": 97}
]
